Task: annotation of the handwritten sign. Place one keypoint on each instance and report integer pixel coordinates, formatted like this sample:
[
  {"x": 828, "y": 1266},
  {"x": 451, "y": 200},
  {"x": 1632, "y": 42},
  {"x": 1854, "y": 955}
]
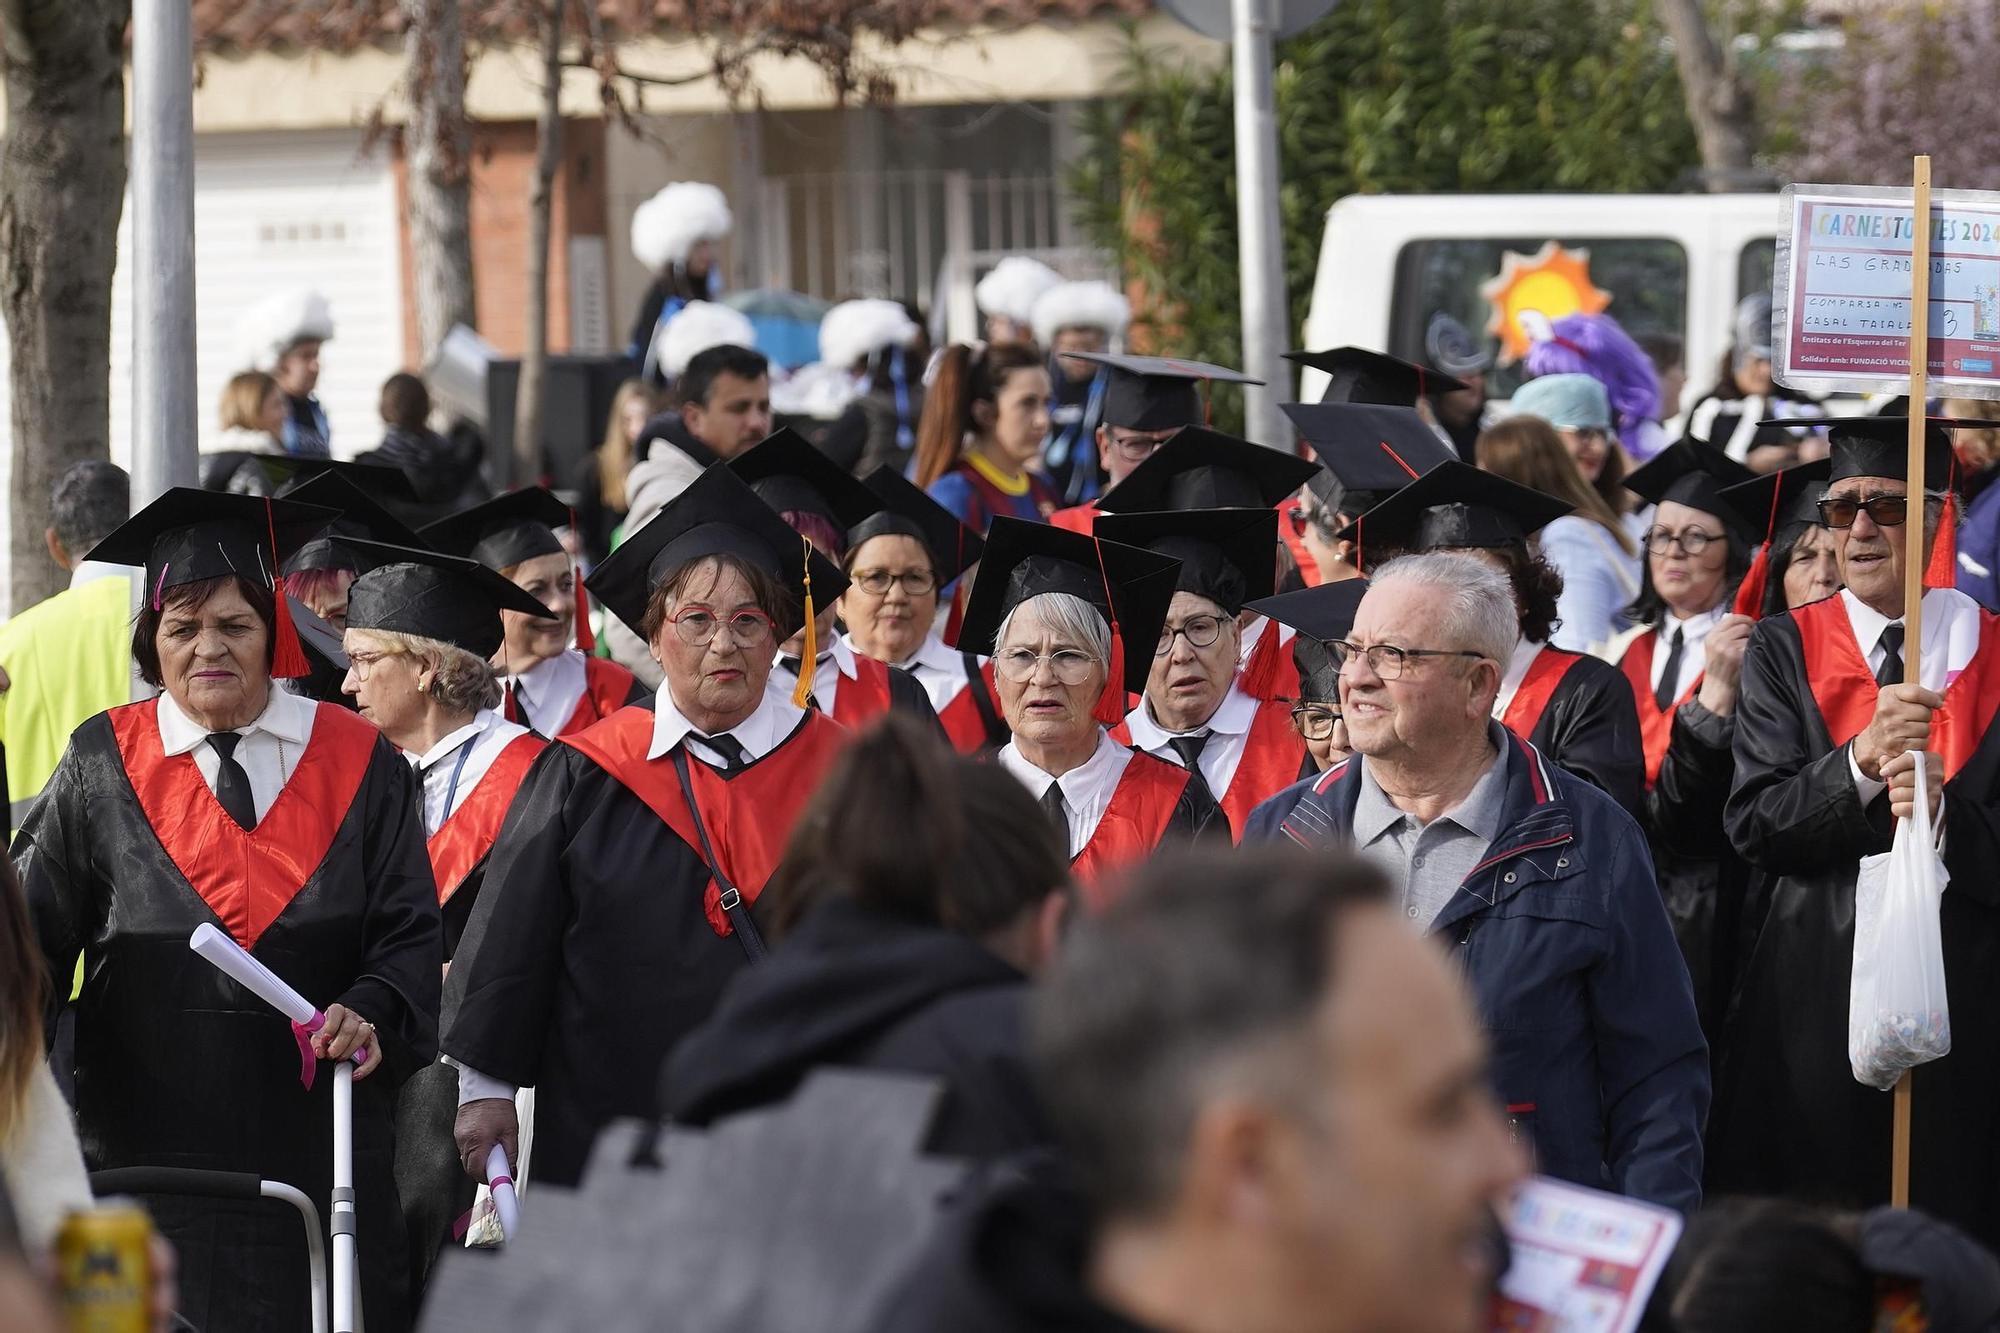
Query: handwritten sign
[
  {"x": 1842, "y": 291},
  {"x": 1583, "y": 1261}
]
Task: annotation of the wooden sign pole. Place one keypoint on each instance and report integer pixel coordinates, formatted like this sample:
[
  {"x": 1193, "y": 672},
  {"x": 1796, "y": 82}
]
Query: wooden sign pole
[{"x": 1913, "y": 564}]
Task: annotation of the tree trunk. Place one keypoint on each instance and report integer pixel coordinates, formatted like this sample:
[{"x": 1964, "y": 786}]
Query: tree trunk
[
  {"x": 1718, "y": 104},
  {"x": 438, "y": 144},
  {"x": 62, "y": 185},
  {"x": 528, "y": 453}
]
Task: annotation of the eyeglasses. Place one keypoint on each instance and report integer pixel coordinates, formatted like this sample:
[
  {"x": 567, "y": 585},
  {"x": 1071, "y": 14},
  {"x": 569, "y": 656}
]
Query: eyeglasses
[
  {"x": 1886, "y": 511},
  {"x": 364, "y": 663},
  {"x": 698, "y": 627},
  {"x": 1693, "y": 540},
  {"x": 1315, "y": 721},
  {"x": 1135, "y": 447},
  {"x": 1018, "y": 665},
  {"x": 1387, "y": 660},
  {"x": 875, "y": 582},
  {"x": 1200, "y": 631}
]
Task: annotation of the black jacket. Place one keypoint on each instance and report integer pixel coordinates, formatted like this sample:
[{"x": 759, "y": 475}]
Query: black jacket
[
  {"x": 1591, "y": 728},
  {"x": 857, "y": 988}
]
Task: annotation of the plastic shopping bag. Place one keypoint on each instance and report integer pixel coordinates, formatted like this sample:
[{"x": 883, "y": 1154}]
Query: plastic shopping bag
[{"x": 1896, "y": 1013}]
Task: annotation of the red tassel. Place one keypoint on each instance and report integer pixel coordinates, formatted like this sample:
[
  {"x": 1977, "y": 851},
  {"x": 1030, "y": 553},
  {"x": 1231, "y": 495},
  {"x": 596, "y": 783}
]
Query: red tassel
[
  {"x": 1111, "y": 708},
  {"x": 586, "y": 637},
  {"x": 954, "y": 620},
  {"x": 1942, "y": 571},
  {"x": 288, "y": 655},
  {"x": 1263, "y": 674},
  {"x": 1750, "y": 592}
]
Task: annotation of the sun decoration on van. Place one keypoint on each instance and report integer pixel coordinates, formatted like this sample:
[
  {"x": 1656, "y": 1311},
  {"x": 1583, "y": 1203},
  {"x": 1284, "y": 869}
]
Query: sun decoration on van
[{"x": 1554, "y": 283}]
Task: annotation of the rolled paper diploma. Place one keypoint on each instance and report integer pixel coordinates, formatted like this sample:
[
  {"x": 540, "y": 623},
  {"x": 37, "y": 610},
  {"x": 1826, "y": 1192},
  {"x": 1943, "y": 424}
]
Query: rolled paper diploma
[
  {"x": 500, "y": 1178},
  {"x": 234, "y": 960}
]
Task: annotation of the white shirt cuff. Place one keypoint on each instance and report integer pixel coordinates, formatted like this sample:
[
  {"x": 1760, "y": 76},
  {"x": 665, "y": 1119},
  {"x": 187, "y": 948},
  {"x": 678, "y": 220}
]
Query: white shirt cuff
[
  {"x": 474, "y": 1086},
  {"x": 1866, "y": 788}
]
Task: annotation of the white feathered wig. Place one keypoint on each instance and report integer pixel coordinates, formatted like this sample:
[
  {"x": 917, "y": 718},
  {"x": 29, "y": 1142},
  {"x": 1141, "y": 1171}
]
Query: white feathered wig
[
  {"x": 280, "y": 322},
  {"x": 1081, "y": 305},
  {"x": 666, "y": 227},
  {"x": 1011, "y": 288},
  {"x": 854, "y": 330},
  {"x": 696, "y": 327}
]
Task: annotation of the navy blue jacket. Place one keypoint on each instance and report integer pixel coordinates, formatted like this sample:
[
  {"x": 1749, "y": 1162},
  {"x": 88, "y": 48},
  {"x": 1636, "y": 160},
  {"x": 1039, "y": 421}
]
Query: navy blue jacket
[{"x": 1561, "y": 932}]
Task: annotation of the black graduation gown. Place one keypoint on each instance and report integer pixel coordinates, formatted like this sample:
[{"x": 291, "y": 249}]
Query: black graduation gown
[
  {"x": 591, "y": 951},
  {"x": 860, "y": 989},
  {"x": 1795, "y": 1121},
  {"x": 178, "y": 1066},
  {"x": 1591, "y": 728}
]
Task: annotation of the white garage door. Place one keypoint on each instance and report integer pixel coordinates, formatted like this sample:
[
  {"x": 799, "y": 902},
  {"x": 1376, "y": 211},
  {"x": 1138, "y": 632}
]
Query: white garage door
[{"x": 275, "y": 210}]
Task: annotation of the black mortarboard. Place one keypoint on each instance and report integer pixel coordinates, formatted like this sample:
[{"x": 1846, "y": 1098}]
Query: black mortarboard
[
  {"x": 1455, "y": 505},
  {"x": 1321, "y": 615},
  {"x": 410, "y": 590},
  {"x": 1879, "y": 446},
  {"x": 320, "y": 640},
  {"x": 789, "y": 474},
  {"x": 1132, "y": 588},
  {"x": 1227, "y": 555},
  {"x": 1357, "y": 375},
  {"x": 360, "y": 517},
  {"x": 718, "y": 514},
  {"x": 1154, "y": 393},
  {"x": 907, "y": 511},
  {"x": 1201, "y": 468},
  {"x": 1369, "y": 450},
  {"x": 289, "y": 473},
  {"x": 1694, "y": 474},
  {"x": 188, "y": 535},
  {"x": 1790, "y": 495},
  {"x": 504, "y": 531}
]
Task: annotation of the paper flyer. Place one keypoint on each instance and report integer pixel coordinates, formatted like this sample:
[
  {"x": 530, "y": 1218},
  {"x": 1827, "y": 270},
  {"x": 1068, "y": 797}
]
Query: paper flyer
[{"x": 1583, "y": 1261}]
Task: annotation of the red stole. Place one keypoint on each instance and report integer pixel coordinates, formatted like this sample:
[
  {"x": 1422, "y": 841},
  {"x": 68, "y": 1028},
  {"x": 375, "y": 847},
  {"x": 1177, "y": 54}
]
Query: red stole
[
  {"x": 1525, "y": 709},
  {"x": 246, "y": 876},
  {"x": 1077, "y": 518},
  {"x": 1270, "y": 763},
  {"x": 863, "y": 697},
  {"x": 1656, "y": 726},
  {"x": 606, "y": 687},
  {"x": 749, "y": 816},
  {"x": 1132, "y": 826},
  {"x": 468, "y": 832},
  {"x": 1844, "y": 688},
  {"x": 961, "y": 718}
]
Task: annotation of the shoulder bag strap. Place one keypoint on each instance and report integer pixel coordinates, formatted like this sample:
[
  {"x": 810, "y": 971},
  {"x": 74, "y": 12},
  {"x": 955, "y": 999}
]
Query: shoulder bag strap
[{"x": 732, "y": 902}]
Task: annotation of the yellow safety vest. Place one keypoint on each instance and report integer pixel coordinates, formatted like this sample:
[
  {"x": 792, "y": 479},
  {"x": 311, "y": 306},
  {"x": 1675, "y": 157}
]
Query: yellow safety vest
[{"x": 69, "y": 658}]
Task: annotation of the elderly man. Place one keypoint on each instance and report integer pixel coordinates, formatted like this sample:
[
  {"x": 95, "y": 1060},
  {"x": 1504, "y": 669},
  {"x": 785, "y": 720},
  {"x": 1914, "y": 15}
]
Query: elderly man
[
  {"x": 1278, "y": 1100},
  {"x": 1536, "y": 881},
  {"x": 1823, "y": 727}
]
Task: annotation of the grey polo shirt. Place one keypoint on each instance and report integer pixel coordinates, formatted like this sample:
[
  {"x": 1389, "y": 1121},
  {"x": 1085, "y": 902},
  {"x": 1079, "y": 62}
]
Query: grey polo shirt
[{"x": 1428, "y": 862}]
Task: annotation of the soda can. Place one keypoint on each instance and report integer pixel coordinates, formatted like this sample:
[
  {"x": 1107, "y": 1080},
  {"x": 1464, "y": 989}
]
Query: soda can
[{"x": 104, "y": 1266}]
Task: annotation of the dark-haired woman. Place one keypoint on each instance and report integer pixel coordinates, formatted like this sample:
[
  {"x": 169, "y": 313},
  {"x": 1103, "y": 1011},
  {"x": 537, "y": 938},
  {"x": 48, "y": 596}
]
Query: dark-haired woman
[
  {"x": 907, "y": 946},
  {"x": 985, "y": 416},
  {"x": 615, "y": 903},
  {"x": 292, "y": 826},
  {"x": 1684, "y": 669}
]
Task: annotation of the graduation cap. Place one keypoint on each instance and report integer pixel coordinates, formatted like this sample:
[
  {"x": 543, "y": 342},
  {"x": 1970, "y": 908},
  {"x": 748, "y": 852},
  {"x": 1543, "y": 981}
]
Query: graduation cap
[
  {"x": 1696, "y": 475},
  {"x": 1766, "y": 504},
  {"x": 504, "y": 531},
  {"x": 718, "y": 514},
  {"x": 1228, "y": 556},
  {"x": 1880, "y": 446},
  {"x": 1201, "y": 468},
  {"x": 360, "y": 518},
  {"x": 1321, "y": 615},
  {"x": 1130, "y": 587},
  {"x": 1452, "y": 506},
  {"x": 290, "y": 474},
  {"x": 789, "y": 474},
  {"x": 318, "y": 637},
  {"x": 188, "y": 535},
  {"x": 1369, "y": 451},
  {"x": 1357, "y": 375},
  {"x": 906, "y": 511},
  {"x": 412, "y": 590},
  {"x": 1154, "y": 393}
]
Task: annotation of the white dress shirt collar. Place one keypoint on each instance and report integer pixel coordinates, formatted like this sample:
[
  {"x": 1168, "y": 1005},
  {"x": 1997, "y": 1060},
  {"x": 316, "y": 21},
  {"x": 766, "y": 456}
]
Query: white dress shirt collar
[
  {"x": 452, "y": 740},
  {"x": 1232, "y": 717},
  {"x": 287, "y": 717},
  {"x": 448, "y": 782},
  {"x": 1087, "y": 789},
  {"x": 550, "y": 678},
  {"x": 1694, "y": 630},
  {"x": 774, "y": 718},
  {"x": 931, "y": 654}
]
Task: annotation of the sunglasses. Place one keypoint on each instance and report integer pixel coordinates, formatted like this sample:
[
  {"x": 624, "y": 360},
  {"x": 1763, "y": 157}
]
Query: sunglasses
[{"x": 1885, "y": 511}]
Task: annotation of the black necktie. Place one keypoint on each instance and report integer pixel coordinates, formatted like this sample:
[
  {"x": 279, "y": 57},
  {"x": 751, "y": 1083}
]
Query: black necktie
[
  {"x": 232, "y": 784},
  {"x": 1670, "y": 675},
  {"x": 795, "y": 665},
  {"x": 1891, "y": 670},
  {"x": 1189, "y": 748},
  {"x": 1052, "y": 806},
  {"x": 510, "y": 705},
  {"x": 733, "y": 754}
]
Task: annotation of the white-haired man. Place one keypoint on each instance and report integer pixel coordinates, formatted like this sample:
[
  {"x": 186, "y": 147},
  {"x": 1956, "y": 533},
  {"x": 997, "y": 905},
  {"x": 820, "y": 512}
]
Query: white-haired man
[{"x": 1537, "y": 882}]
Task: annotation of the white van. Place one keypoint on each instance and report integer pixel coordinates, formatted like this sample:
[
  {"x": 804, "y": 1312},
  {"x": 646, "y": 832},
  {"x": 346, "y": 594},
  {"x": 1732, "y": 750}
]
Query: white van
[{"x": 1671, "y": 264}]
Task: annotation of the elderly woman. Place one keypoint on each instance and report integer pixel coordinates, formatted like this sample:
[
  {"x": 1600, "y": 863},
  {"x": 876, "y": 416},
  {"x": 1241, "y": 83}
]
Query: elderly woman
[
  {"x": 548, "y": 685},
  {"x": 291, "y": 825},
  {"x": 616, "y": 904},
  {"x": 1800, "y": 565},
  {"x": 899, "y": 561},
  {"x": 1684, "y": 668},
  {"x": 1046, "y": 604}
]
